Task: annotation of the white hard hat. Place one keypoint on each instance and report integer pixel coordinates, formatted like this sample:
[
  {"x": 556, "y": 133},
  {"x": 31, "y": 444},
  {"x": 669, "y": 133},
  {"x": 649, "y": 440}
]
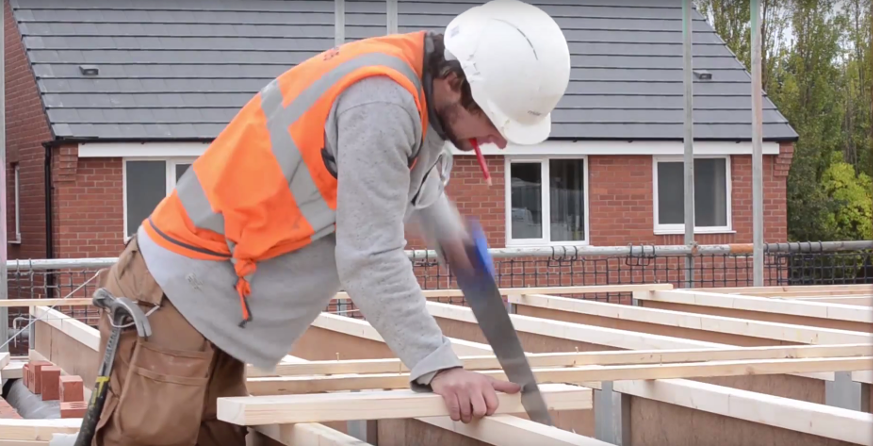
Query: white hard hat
[{"x": 517, "y": 62}]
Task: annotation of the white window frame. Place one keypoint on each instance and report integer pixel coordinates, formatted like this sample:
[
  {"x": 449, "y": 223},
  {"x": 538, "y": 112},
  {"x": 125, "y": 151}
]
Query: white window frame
[
  {"x": 16, "y": 197},
  {"x": 544, "y": 175},
  {"x": 670, "y": 229},
  {"x": 170, "y": 175}
]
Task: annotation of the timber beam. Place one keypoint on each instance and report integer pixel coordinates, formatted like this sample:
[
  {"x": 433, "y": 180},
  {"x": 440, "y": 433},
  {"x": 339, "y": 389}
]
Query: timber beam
[
  {"x": 732, "y": 326},
  {"x": 376, "y": 405},
  {"x": 570, "y": 359},
  {"x": 589, "y": 376}
]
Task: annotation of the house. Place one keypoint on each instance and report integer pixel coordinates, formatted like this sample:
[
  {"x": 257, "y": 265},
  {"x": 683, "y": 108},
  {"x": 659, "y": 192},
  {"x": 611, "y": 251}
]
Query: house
[{"x": 109, "y": 101}]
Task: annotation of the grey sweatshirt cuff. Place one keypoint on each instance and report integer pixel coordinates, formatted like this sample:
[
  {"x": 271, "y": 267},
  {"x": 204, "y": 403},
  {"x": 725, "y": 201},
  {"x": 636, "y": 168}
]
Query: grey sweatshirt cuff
[{"x": 424, "y": 371}]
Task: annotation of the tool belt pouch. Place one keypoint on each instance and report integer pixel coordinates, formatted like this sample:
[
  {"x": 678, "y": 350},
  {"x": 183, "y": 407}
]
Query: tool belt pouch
[{"x": 161, "y": 381}]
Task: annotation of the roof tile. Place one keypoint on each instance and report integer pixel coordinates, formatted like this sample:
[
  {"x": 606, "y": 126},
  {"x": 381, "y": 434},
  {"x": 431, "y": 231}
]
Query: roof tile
[{"x": 171, "y": 69}]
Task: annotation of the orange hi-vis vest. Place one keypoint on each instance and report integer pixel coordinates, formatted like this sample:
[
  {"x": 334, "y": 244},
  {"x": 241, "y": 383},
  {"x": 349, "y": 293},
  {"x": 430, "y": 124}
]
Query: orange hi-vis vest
[{"x": 262, "y": 189}]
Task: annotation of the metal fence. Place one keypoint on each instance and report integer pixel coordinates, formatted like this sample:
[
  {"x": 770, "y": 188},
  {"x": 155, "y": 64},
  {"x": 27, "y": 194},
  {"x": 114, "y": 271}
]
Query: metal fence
[{"x": 807, "y": 263}]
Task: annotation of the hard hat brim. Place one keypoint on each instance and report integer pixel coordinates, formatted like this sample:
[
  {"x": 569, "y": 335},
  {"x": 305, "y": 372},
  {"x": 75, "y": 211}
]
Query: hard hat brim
[
  {"x": 513, "y": 131},
  {"x": 529, "y": 134}
]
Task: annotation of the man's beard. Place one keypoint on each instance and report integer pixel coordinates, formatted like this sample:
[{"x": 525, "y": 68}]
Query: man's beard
[{"x": 450, "y": 114}]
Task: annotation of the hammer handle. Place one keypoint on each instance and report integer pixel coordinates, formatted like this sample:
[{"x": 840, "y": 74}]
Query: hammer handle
[
  {"x": 98, "y": 396},
  {"x": 92, "y": 416}
]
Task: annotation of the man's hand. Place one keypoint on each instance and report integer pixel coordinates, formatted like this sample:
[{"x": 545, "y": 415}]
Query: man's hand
[{"x": 468, "y": 394}]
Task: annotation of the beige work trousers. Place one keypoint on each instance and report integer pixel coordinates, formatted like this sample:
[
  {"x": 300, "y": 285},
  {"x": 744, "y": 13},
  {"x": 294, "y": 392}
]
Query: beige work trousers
[{"x": 163, "y": 391}]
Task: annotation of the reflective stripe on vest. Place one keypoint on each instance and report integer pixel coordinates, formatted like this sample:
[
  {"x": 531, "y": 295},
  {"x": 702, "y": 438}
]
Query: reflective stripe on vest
[{"x": 279, "y": 118}]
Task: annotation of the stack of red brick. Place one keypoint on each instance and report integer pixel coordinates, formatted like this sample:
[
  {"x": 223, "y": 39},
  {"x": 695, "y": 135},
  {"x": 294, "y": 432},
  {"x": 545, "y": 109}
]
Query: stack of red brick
[
  {"x": 44, "y": 378},
  {"x": 7, "y": 411}
]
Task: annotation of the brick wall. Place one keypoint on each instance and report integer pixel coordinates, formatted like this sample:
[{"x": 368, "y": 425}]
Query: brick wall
[
  {"x": 621, "y": 200},
  {"x": 621, "y": 212},
  {"x": 87, "y": 205},
  {"x": 88, "y": 218},
  {"x": 26, "y": 129}
]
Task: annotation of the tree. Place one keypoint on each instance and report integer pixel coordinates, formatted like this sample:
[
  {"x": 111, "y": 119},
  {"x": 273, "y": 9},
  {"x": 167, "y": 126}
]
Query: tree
[
  {"x": 857, "y": 94},
  {"x": 851, "y": 198},
  {"x": 818, "y": 70},
  {"x": 809, "y": 98}
]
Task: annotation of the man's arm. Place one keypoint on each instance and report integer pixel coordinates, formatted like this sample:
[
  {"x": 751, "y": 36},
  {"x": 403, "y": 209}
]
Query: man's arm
[
  {"x": 376, "y": 135},
  {"x": 440, "y": 221}
]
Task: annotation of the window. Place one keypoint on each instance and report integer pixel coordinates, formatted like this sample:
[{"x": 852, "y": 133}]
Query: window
[
  {"x": 712, "y": 195},
  {"x": 546, "y": 201},
  {"x": 16, "y": 205},
  {"x": 146, "y": 183}
]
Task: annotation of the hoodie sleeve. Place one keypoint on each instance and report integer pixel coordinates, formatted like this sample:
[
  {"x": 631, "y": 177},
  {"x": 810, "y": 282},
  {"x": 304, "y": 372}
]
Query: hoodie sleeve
[{"x": 375, "y": 137}]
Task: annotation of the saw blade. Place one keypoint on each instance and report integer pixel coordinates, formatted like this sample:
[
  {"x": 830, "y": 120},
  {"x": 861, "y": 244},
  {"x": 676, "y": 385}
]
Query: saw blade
[{"x": 483, "y": 296}]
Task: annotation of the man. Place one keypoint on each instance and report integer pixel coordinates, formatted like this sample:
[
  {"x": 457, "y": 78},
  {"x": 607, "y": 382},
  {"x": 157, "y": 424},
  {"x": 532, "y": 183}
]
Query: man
[{"x": 306, "y": 193}]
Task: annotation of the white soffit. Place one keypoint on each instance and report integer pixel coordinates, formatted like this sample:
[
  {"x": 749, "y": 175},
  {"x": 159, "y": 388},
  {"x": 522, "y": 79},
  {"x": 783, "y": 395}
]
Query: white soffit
[
  {"x": 625, "y": 148},
  {"x": 555, "y": 148},
  {"x": 141, "y": 150}
]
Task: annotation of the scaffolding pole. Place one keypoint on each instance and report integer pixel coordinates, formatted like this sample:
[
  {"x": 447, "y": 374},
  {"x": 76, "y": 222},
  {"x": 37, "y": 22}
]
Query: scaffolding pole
[
  {"x": 4, "y": 288},
  {"x": 687, "y": 32},
  {"x": 757, "y": 158}
]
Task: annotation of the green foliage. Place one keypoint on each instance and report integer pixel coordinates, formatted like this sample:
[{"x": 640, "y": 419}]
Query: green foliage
[
  {"x": 852, "y": 197},
  {"x": 818, "y": 70}
]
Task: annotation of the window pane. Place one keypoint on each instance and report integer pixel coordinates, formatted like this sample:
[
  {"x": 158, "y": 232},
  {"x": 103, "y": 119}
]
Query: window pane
[
  {"x": 180, "y": 170},
  {"x": 527, "y": 206},
  {"x": 567, "y": 200},
  {"x": 671, "y": 193},
  {"x": 710, "y": 192},
  {"x": 146, "y": 184}
]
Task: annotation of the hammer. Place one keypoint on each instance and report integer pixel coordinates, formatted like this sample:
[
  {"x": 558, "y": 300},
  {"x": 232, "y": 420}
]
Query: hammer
[{"x": 121, "y": 311}]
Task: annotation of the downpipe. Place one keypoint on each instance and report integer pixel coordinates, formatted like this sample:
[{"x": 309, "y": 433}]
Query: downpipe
[
  {"x": 28, "y": 404},
  {"x": 25, "y": 402}
]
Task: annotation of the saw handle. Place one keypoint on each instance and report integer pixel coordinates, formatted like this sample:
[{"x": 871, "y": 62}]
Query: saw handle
[{"x": 480, "y": 245}]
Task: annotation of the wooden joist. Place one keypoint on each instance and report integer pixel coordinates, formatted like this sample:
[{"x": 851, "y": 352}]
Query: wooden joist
[
  {"x": 48, "y": 302},
  {"x": 315, "y": 433},
  {"x": 611, "y": 337},
  {"x": 581, "y": 290},
  {"x": 838, "y": 312},
  {"x": 500, "y": 430},
  {"x": 793, "y": 290},
  {"x": 505, "y": 430},
  {"x": 583, "y": 375},
  {"x": 722, "y": 414},
  {"x": 375, "y": 405},
  {"x": 569, "y": 359},
  {"x": 363, "y": 329},
  {"x": 624, "y": 339},
  {"x": 800, "y": 416},
  {"x": 80, "y": 331},
  {"x": 718, "y": 324},
  {"x": 36, "y": 430},
  {"x": 650, "y": 364},
  {"x": 300, "y": 434},
  {"x": 845, "y": 300}
]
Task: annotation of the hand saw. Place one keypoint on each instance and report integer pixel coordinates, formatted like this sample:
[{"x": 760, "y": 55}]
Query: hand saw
[{"x": 482, "y": 295}]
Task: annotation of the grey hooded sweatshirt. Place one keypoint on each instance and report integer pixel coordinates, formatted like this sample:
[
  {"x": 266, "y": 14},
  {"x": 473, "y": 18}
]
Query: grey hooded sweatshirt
[{"x": 372, "y": 131}]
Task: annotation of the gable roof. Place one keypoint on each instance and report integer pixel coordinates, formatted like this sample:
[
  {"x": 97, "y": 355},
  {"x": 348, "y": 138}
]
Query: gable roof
[{"x": 180, "y": 69}]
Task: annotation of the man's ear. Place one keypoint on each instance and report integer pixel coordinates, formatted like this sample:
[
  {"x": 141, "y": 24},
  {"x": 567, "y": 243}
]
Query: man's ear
[{"x": 455, "y": 82}]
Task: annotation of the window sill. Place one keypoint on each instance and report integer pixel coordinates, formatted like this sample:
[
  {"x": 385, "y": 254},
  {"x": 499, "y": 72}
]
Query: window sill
[{"x": 701, "y": 231}]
